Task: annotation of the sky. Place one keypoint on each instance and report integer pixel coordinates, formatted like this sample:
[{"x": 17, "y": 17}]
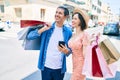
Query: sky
[{"x": 114, "y": 5}]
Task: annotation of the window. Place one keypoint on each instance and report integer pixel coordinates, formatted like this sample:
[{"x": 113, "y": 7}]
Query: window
[
  {"x": 93, "y": 7},
  {"x": 42, "y": 14},
  {"x": 18, "y": 12},
  {"x": 98, "y": 10},
  {"x": 2, "y": 8},
  {"x": 99, "y": 3}
]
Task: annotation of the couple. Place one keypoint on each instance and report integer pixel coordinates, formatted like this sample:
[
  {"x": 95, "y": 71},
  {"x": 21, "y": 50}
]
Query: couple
[{"x": 52, "y": 59}]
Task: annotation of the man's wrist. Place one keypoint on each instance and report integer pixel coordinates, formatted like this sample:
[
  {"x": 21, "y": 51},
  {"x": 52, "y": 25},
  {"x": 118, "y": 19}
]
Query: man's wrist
[{"x": 41, "y": 30}]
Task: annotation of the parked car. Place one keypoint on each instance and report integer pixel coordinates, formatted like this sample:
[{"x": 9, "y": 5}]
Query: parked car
[
  {"x": 2, "y": 25},
  {"x": 111, "y": 29}
]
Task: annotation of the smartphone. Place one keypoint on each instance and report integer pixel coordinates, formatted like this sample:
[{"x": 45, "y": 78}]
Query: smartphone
[{"x": 61, "y": 42}]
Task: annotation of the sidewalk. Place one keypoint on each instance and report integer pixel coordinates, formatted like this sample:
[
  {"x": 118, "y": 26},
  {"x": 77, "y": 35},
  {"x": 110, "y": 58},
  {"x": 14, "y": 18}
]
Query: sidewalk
[{"x": 36, "y": 76}]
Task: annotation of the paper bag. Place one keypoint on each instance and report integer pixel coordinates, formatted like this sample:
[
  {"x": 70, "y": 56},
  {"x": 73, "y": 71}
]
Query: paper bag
[
  {"x": 29, "y": 23},
  {"x": 28, "y": 44},
  {"x": 95, "y": 64},
  {"x": 23, "y": 33},
  {"x": 109, "y": 51},
  {"x": 31, "y": 44},
  {"x": 96, "y": 69}
]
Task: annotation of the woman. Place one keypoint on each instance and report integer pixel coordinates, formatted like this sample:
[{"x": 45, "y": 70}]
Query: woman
[{"x": 78, "y": 43}]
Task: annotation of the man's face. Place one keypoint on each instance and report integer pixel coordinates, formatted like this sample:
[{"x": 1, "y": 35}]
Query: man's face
[{"x": 59, "y": 15}]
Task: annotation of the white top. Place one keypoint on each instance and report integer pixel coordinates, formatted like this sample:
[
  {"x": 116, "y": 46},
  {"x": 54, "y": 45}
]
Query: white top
[{"x": 53, "y": 55}]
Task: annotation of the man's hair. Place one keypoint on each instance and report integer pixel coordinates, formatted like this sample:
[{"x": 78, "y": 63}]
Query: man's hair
[{"x": 66, "y": 11}]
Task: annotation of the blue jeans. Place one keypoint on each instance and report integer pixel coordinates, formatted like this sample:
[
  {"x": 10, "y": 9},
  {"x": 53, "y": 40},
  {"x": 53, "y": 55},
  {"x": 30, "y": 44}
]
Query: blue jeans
[{"x": 52, "y": 74}]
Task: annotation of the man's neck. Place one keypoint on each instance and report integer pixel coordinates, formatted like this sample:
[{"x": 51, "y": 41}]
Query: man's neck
[{"x": 59, "y": 24}]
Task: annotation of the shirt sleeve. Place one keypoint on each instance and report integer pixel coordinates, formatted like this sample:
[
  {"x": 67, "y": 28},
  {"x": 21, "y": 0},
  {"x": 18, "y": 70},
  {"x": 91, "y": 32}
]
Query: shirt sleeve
[{"x": 33, "y": 34}]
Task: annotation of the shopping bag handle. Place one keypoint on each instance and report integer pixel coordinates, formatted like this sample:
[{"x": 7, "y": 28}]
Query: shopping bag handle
[{"x": 95, "y": 38}]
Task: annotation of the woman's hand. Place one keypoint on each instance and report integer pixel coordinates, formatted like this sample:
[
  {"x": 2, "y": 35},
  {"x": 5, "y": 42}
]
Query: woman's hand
[
  {"x": 63, "y": 49},
  {"x": 94, "y": 36}
]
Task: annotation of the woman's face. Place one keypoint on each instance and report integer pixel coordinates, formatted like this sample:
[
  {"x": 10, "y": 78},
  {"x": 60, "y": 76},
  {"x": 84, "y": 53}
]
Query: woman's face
[{"x": 75, "y": 21}]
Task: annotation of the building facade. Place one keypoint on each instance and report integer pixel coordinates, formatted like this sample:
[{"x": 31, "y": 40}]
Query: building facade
[
  {"x": 30, "y": 9},
  {"x": 44, "y": 10}
]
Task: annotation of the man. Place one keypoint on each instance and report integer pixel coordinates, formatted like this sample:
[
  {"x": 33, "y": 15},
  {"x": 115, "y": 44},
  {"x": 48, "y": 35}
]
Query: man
[{"x": 52, "y": 59}]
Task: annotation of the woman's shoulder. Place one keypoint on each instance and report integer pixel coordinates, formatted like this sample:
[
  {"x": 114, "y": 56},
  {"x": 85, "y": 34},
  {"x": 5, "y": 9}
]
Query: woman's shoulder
[{"x": 85, "y": 33}]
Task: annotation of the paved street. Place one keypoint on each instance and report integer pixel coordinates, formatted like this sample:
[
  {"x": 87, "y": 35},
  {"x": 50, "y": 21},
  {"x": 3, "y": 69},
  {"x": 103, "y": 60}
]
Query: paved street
[
  {"x": 15, "y": 63},
  {"x": 18, "y": 64}
]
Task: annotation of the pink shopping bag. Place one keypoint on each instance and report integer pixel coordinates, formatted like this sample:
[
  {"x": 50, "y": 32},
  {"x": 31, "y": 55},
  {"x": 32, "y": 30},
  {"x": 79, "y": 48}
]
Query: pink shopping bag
[{"x": 95, "y": 68}]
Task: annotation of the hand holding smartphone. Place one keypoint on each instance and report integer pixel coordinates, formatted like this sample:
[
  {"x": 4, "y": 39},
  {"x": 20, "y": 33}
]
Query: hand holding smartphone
[
  {"x": 61, "y": 42},
  {"x": 62, "y": 47}
]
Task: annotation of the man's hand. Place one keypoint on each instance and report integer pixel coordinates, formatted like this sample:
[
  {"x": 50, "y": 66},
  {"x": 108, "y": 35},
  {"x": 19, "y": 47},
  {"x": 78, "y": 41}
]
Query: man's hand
[
  {"x": 63, "y": 49},
  {"x": 46, "y": 27}
]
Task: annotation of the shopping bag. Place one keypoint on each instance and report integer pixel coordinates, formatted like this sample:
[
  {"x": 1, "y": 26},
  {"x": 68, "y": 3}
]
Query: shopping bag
[
  {"x": 87, "y": 66},
  {"x": 31, "y": 44},
  {"x": 109, "y": 51},
  {"x": 96, "y": 69},
  {"x": 28, "y": 44},
  {"x": 22, "y": 33},
  {"x": 95, "y": 64},
  {"x": 29, "y": 23},
  {"x": 102, "y": 70}
]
